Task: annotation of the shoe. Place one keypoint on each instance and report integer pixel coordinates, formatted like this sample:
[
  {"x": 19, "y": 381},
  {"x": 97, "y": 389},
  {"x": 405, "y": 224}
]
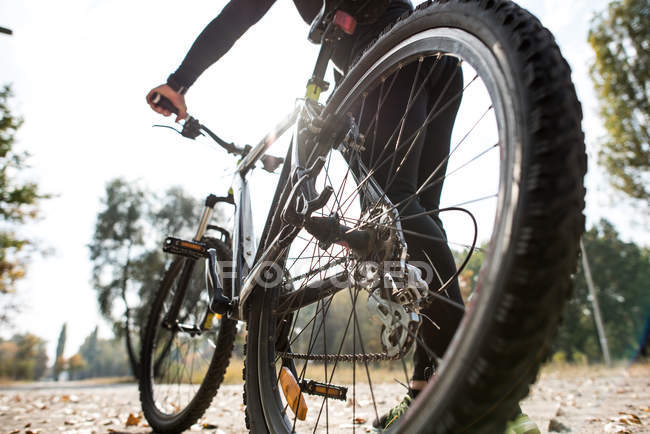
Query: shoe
[
  {"x": 393, "y": 414},
  {"x": 522, "y": 424}
]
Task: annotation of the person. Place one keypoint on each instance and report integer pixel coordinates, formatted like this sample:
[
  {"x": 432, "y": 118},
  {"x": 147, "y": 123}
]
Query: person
[{"x": 428, "y": 151}]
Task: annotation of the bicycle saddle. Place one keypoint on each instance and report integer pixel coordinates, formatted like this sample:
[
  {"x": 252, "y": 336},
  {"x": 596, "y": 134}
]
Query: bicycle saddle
[{"x": 364, "y": 11}]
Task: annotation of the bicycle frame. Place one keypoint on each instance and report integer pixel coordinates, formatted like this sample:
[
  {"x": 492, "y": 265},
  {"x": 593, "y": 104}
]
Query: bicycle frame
[
  {"x": 245, "y": 251},
  {"x": 244, "y": 248},
  {"x": 295, "y": 186}
]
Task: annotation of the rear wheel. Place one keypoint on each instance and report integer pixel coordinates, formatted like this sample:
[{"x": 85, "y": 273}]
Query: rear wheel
[
  {"x": 182, "y": 368},
  {"x": 512, "y": 200}
]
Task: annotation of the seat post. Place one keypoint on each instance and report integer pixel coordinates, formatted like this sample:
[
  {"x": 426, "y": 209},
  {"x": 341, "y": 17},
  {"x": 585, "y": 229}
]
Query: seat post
[{"x": 342, "y": 24}]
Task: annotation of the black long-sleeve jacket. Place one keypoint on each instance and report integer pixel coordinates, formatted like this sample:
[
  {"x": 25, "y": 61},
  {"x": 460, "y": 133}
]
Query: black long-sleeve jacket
[{"x": 223, "y": 31}]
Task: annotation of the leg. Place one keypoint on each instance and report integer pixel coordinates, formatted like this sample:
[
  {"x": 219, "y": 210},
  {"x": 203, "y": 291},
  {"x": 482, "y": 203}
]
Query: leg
[
  {"x": 402, "y": 167},
  {"x": 445, "y": 83}
]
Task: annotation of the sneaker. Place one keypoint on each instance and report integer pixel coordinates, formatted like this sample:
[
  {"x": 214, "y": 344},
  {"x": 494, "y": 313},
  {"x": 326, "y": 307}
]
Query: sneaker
[
  {"x": 393, "y": 414},
  {"x": 522, "y": 425}
]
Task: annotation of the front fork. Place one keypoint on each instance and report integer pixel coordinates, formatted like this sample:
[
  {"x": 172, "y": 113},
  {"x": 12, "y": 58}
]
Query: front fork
[{"x": 192, "y": 252}]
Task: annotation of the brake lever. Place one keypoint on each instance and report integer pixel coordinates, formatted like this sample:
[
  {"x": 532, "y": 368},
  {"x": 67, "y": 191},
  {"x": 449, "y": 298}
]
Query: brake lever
[{"x": 191, "y": 128}]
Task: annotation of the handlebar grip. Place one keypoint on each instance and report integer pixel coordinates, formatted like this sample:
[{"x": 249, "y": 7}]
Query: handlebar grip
[{"x": 163, "y": 102}]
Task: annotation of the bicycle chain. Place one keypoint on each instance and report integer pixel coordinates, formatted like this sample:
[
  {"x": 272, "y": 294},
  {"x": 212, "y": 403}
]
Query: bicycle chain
[{"x": 370, "y": 357}]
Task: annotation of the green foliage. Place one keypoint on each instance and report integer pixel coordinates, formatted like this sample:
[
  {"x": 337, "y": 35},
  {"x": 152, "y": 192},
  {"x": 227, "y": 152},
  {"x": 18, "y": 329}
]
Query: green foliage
[
  {"x": 23, "y": 357},
  {"x": 621, "y": 273},
  {"x": 620, "y": 38},
  {"x": 18, "y": 200},
  {"x": 102, "y": 357},
  {"x": 118, "y": 238},
  {"x": 468, "y": 278},
  {"x": 60, "y": 348},
  {"x": 75, "y": 363},
  {"x": 126, "y": 252}
]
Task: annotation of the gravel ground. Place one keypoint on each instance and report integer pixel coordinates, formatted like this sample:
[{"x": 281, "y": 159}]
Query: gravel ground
[{"x": 584, "y": 400}]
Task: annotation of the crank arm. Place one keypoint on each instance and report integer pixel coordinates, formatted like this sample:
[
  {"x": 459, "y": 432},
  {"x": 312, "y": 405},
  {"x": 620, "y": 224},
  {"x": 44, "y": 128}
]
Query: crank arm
[{"x": 220, "y": 304}]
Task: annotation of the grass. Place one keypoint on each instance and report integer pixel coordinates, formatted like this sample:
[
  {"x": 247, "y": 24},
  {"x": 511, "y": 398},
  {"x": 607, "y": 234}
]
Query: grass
[
  {"x": 570, "y": 370},
  {"x": 99, "y": 381},
  {"x": 388, "y": 374}
]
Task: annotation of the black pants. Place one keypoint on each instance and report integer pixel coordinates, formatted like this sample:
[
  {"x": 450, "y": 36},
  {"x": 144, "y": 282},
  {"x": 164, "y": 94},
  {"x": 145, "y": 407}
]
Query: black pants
[{"x": 440, "y": 97}]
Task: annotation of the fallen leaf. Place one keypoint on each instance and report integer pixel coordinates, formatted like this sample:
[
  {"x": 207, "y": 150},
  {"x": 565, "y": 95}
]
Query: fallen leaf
[
  {"x": 555, "y": 425},
  {"x": 133, "y": 420},
  {"x": 69, "y": 398},
  {"x": 360, "y": 420},
  {"x": 616, "y": 428},
  {"x": 627, "y": 419},
  {"x": 28, "y": 424}
]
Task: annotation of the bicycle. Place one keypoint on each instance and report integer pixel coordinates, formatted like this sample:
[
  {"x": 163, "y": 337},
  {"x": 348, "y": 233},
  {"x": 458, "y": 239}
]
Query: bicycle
[{"x": 333, "y": 258}]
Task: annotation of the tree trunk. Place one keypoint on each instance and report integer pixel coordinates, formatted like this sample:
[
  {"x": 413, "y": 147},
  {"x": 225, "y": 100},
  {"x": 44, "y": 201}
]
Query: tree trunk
[{"x": 133, "y": 360}]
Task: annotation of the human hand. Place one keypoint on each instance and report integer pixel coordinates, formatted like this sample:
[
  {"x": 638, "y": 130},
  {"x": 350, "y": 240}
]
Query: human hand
[{"x": 177, "y": 99}]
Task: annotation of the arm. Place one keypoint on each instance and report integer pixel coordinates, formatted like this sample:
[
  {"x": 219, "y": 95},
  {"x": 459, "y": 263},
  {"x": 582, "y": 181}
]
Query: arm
[{"x": 213, "y": 42}]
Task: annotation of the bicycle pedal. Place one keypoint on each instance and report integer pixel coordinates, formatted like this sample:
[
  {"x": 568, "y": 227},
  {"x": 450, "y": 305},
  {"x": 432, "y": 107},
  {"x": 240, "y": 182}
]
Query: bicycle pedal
[
  {"x": 293, "y": 393},
  {"x": 190, "y": 249},
  {"x": 331, "y": 391},
  {"x": 209, "y": 320}
]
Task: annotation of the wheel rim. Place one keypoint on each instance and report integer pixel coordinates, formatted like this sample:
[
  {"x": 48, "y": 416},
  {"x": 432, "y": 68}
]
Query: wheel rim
[
  {"x": 481, "y": 69},
  {"x": 180, "y": 359}
]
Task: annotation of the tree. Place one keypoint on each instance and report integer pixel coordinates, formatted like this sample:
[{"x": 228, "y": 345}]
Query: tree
[
  {"x": 88, "y": 351},
  {"x": 60, "y": 348},
  {"x": 468, "y": 278},
  {"x": 118, "y": 239},
  {"x": 620, "y": 38},
  {"x": 18, "y": 205},
  {"x": 75, "y": 364},
  {"x": 23, "y": 357},
  {"x": 621, "y": 273},
  {"x": 103, "y": 357},
  {"x": 127, "y": 256}
]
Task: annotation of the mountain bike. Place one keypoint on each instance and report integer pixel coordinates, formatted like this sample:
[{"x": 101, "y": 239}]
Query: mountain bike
[{"x": 331, "y": 300}]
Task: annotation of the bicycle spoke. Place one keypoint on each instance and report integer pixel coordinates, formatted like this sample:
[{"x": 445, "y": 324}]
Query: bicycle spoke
[{"x": 363, "y": 351}]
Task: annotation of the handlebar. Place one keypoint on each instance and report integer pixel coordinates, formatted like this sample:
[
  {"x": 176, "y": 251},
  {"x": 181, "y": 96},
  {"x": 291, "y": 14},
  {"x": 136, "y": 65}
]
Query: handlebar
[
  {"x": 193, "y": 128},
  {"x": 163, "y": 102}
]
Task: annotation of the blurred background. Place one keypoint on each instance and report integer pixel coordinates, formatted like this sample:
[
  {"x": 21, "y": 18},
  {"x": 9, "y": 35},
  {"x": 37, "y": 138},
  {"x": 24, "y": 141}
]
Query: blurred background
[{"x": 88, "y": 189}]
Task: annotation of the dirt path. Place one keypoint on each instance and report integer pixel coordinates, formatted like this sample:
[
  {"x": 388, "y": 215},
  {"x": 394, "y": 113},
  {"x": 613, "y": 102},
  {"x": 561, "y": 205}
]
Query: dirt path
[{"x": 585, "y": 400}]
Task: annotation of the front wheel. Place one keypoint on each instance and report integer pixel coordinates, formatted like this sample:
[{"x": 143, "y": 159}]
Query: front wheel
[
  {"x": 183, "y": 366},
  {"x": 511, "y": 165}
]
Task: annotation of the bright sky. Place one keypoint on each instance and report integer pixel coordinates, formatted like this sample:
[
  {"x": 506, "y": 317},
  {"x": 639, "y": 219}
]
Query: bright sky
[{"x": 80, "y": 70}]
